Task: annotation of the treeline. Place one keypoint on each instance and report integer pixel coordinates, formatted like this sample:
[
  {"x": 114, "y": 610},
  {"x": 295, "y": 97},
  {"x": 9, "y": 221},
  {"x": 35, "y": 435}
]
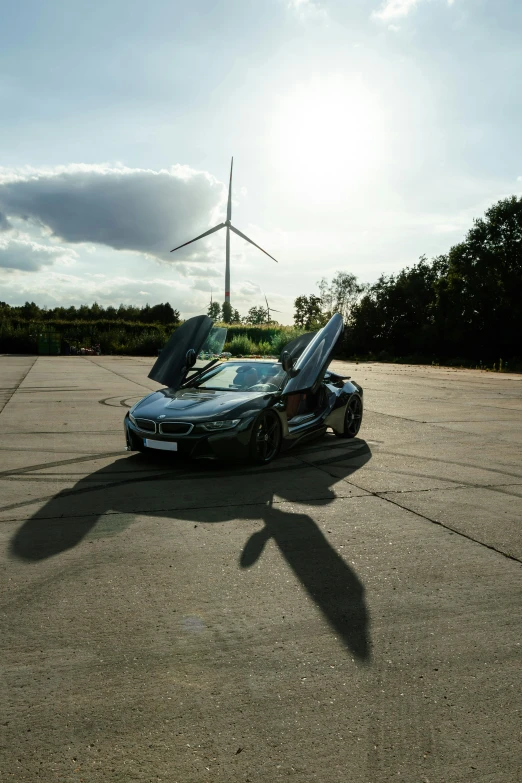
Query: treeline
[
  {"x": 113, "y": 337},
  {"x": 157, "y": 314},
  {"x": 128, "y": 329},
  {"x": 462, "y": 307}
]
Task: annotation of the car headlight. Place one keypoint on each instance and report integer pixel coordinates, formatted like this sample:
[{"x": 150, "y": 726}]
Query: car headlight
[
  {"x": 131, "y": 417},
  {"x": 227, "y": 424}
]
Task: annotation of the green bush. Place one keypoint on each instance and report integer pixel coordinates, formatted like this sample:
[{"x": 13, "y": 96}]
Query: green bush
[
  {"x": 258, "y": 334},
  {"x": 282, "y": 338},
  {"x": 265, "y": 349},
  {"x": 133, "y": 338},
  {"x": 241, "y": 346}
]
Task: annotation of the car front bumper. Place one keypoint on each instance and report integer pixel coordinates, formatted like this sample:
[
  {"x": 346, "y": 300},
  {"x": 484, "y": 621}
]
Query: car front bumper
[{"x": 232, "y": 444}]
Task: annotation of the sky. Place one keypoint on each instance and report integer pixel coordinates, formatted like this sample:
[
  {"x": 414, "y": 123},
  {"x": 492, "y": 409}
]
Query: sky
[{"x": 365, "y": 133}]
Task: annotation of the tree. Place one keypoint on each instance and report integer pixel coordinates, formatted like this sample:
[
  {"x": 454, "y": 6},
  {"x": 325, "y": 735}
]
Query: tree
[
  {"x": 480, "y": 299},
  {"x": 398, "y": 314},
  {"x": 226, "y": 311},
  {"x": 308, "y": 312},
  {"x": 256, "y": 315},
  {"x": 236, "y": 318},
  {"x": 214, "y": 311},
  {"x": 164, "y": 314},
  {"x": 96, "y": 312},
  {"x": 30, "y": 310},
  {"x": 129, "y": 313},
  {"x": 340, "y": 295}
]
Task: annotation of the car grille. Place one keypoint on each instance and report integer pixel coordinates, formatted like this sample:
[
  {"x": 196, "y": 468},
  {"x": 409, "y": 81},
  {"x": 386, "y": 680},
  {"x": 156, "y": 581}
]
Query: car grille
[
  {"x": 175, "y": 428},
  {"x": 146, "y": 424}
]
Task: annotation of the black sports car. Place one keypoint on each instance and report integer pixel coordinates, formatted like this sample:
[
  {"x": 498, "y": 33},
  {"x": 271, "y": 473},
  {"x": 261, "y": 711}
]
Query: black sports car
[{"x": 243, "y": 408}]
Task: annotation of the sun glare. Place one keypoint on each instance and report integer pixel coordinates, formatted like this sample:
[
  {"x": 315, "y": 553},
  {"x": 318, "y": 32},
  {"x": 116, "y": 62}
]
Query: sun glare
[{"x": 328, "y": 138}]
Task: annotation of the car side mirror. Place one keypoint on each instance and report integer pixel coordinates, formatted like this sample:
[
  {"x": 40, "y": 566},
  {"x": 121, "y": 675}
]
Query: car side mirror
[
  {"x": 190, "y": 358},
  {"x": 287, "y": 361},
  {"x": 288, "y": 364}
]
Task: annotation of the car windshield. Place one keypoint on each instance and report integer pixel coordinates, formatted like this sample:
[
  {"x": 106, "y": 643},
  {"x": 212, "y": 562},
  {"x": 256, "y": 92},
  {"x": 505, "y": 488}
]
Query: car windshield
[
  {"x": 215, "y": 342},
  {"x": 243, "y": 376}
]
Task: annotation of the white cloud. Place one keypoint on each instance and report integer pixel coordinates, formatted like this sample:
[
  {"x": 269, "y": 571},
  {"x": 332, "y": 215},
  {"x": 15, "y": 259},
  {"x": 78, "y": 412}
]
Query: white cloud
[
  {"x": 53, "y": 289},
  {"x": 394, "y": 9},
  {"x": 308, "y": 9},
  {"x": 202, "y": 285},
  {"x": 29, "y": 256},
  {"x": 397, "y": 9},
  {"x": 127, "y": 209},
  {"x": 186, "y": 270}
]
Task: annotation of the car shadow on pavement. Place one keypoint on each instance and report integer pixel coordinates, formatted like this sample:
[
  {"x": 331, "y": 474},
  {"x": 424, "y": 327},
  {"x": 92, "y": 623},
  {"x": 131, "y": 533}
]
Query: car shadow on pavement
[
  {"x": 326, "y": 577},
  {"x": 70, "y": 515}
]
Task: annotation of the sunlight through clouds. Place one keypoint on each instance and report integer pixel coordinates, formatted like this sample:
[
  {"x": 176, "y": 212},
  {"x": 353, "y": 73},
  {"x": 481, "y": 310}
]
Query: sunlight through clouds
[
  {"x": 360, "y": 140},
  {"x": 328, "y": 135},
  {"x": 308, "y": 9},
  {"x": 396, "y": 9}
]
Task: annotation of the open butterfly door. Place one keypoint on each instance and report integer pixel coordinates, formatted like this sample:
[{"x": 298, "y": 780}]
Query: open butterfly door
[
  {"x": 180, "y": 353},
  {"x": 307, "y": 370}
]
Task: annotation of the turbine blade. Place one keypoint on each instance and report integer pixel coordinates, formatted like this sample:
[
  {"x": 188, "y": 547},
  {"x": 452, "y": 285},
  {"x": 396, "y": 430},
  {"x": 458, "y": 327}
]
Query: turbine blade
[
  {"x": 273, "y": 310},
  {"x": 243, "y": 236},
  {"x": 266, "y": 300},
  {"x": 210, "y": 231},
  {"x": 229, "y": 204}
]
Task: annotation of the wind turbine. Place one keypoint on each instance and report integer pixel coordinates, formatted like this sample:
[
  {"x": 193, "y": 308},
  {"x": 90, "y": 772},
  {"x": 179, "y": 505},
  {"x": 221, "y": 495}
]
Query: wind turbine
[
  {"x": 228, "y": 225},
  {"x": 268, "y": 308}
]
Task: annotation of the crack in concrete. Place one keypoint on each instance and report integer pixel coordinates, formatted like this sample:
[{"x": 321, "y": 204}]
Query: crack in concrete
[
  {"x": 15, "y": 388},
  {"x": 137, "y": 383},
  {"x": 448, "y": 489},
  {"x": 451, "y": 529},
  {"x": 383, "y": 496}
]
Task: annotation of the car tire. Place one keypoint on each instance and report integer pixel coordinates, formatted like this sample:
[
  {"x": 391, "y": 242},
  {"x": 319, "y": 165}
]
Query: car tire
[
  {"x": 352, "y": 417},
  {"x": 136, "y": 444},
  {"x": 265, "y": 439}
]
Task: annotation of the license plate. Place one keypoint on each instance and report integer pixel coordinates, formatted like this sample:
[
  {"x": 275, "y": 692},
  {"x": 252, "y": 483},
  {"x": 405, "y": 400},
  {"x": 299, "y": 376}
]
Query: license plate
[{"x": 163, "y": 445}]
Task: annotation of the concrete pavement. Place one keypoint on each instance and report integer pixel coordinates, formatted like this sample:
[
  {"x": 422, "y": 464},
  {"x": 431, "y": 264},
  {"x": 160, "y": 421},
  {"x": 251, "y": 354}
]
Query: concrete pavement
[{"x": 349, "y": 613}]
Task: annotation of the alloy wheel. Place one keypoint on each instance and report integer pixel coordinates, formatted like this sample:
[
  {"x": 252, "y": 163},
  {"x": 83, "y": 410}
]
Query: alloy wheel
[
  {"x": 353, "y": 416},
  {"x": 266, "y": 438}
]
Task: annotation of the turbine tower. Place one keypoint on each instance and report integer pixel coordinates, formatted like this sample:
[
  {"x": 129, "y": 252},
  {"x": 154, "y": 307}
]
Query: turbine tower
[
  {"x": 268, "y": 309},
  {"x": 229, "y": 227}
]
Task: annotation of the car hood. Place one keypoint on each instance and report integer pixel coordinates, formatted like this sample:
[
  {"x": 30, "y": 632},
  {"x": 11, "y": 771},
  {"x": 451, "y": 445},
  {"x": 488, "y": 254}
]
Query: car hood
[{"x": 196, "y": 404}]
